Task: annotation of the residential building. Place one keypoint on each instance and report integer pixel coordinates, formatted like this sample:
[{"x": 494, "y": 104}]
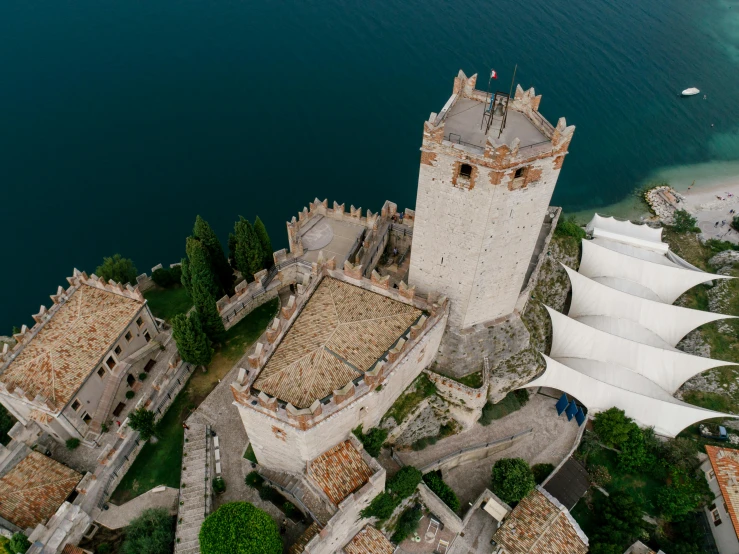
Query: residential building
[
  {"x": 65, "y": 373},
  {"x": 722, "y": 473}
]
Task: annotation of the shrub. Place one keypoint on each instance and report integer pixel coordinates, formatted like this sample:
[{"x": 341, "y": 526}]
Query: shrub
[
  {"x": 6, "y": 423},
  {"x": 289, "y": 509},
  {"x": 617, "y": 521},
  {"x": 18, "y": 544},
  {"x": 254, "y": 480},
  {"x": 684, "y": 222},
  {"x": 142, "y": 420},
  {"x": 612, "y": 427},
  {"x": 512, "y": 479},
  {"x": 239, "y": 527},
  {"x": 143, "y": 376},
  {"x": 636, "y": 454},
  {"x": 407, "y": 524},
  {"x": 437, "y": 485},
  {"x": 541, "y": 472},
  {"x": 685, "y": 493},
  {"x": 735, "y": 223},
  {"x": 130, "y": 394},
  {"x": 150, "y": 533},
  {"x": 404, "y": 483},
  {"x": 269, "y": 494},
  {"x": 600, "y": 476},
  {"x": 219, "y": 485},
  {"x": 119, "y": 269},
  {"x": 372, "y": 441},
  {"x": 569, "y": 227},
  {"x": 716, "y": 246},
  {"x": 104, "y": 427},
  {"x": 167, "y": 277},
  {"x": 72, "y": 443},
  {"x": 104, "y": 548},
  {"x": 381, "y": 507},
  {"x": 522, "y": 395}
]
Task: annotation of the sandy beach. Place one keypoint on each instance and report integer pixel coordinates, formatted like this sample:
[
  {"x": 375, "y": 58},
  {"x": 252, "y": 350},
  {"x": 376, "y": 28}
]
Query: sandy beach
[{"x": 713, "y": 203}]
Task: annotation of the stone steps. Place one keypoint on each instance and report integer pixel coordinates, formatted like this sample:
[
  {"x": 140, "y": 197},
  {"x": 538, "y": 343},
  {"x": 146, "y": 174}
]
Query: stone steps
[{"x": 196, "y": 461}]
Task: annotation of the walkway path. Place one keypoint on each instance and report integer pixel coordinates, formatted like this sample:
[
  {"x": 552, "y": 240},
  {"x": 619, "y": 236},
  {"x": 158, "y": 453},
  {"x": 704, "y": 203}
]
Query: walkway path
[
  {"x": 195, "y": 489},
  {"x": 116, "y": 517}
]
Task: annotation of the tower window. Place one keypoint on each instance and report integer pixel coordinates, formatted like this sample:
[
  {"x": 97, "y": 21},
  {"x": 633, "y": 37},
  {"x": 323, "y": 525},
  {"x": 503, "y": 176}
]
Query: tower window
[
  {"x": 465, "y": 170},
  {"x": 519, "y": 172}
]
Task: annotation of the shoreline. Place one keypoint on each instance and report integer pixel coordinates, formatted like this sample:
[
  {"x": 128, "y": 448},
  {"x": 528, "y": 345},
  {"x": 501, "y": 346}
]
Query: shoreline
[{"x": 711, "y": 206}]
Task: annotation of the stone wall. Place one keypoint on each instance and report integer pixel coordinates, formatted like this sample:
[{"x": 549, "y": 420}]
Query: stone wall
[
  {"x": 472, "y": 232},
  {"x": 145, "y": 282},
  {"x": 437, "y": 506},
  {"x": 457, "y": 393}
]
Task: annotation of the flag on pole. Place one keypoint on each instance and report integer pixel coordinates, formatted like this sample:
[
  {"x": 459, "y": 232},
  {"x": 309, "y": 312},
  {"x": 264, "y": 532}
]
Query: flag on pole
[{"x": 493, "y": 74}]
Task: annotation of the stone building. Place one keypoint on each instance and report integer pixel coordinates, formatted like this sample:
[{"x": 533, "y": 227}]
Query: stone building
[
  {"x": 722, "y": 473},
  {"x": 338, "y": 356},
  {"x": 488, "y": 170},
  {"x": 65, "y": 372}
]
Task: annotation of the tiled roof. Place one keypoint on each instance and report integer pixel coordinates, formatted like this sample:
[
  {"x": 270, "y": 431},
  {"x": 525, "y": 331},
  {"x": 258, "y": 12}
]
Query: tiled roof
[
  {"x": 71, "y": 549},
  {"x": 725, "y": 463},
  {"x": 67, "y": 348},
  {"x": 33, "y": 490},
  {"x": 369, "y": 541},
  {"x": 540, "y": 525},
  {"x": 340, "y": 471},
  {"x": 341, "y": 332}
]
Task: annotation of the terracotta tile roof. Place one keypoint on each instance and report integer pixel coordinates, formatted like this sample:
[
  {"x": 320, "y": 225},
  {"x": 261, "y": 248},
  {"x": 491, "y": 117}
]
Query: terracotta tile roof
[
  {"x": 341, "y": 332},
  {"x": 68, "y": 347},
  {"x": 540, "y": 525},
  {"x": 71, "y": 549},
  {"x": 725, "y": 463},
  {"x": 369, "y": 541},
  {"x": 304, "y": 539},
  {"x": 340, "y": 471},
  {"x": 33, "y": 490}
]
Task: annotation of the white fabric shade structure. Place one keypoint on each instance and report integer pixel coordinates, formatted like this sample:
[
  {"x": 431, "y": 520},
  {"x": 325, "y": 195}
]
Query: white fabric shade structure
[
  {"x": 667, "y": 415},
  {"x": 616, "y": 347},
  {"x": 647, "y": 279}
]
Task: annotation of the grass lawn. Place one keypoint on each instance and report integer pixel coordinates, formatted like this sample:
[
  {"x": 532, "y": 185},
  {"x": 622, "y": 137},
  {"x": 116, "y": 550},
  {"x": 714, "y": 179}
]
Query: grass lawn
[
  {"x": 167, "y": 303},
  {"x": 161, "y": 463}
]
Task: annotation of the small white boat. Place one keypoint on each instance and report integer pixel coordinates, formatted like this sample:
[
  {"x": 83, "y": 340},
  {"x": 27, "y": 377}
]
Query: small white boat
[{"x": 690, "y": 91}]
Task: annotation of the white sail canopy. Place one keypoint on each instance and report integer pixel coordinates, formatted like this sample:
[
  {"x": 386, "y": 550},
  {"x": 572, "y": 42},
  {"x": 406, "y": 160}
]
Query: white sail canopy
[
  {"x": 670, "y": 323},
  {"x": 668, "y": 415},
  {"x": 633, "y": 275},
  {"x": 669, "y": 369},
  {"x": 626, "y": 232}
]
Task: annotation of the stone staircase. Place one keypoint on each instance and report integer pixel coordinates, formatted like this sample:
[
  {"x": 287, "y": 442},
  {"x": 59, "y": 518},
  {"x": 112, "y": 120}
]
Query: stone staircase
[
  {"x": 296, "y": 488},
  {"x": 195, "y": 491}
]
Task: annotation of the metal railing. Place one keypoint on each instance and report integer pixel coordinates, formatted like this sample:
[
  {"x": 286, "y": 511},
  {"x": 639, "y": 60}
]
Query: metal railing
[
  {"x": 541, "y": 120},
  {"x": 458, "y": 140}
]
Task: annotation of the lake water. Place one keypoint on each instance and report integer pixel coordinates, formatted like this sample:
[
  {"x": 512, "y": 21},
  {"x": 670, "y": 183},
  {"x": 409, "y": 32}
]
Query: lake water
[{"x": 120, "y": 121}]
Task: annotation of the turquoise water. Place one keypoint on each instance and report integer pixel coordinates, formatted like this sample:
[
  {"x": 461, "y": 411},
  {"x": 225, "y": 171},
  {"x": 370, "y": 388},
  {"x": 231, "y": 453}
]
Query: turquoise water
[{"x": 120, "y": 121}]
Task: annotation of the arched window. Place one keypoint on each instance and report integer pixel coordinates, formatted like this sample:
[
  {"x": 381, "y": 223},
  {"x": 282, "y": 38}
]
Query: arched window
[{"x": 465, "y": 170}]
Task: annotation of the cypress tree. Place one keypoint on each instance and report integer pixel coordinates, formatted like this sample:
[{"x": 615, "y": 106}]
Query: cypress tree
[
  {"x": 200, "y": 270},
  {"x": 204, "y": 233},
  {"x": 207, "y": 313},
  {"x": 232, "y": 249},
  {"x": 264, "y": 241},
  {"x": 248, "y": 250},
  {"x": 192, "y": 342},
  {"x": 185, "y": 278}
]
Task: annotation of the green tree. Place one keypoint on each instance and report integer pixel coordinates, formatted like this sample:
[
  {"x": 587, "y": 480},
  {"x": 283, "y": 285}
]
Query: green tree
[
  {"x": 239, "y": 528},
  {"x": 407, "y": 524},
  {"x": 381, "y": 506},
  {"x": 264, "y": 242},
  {"x": 683, "y": 222},
  {"x": 205, "y": 234},
  {"x": 541, "y": 472},
  {"x": 612, "y": 427},
  {"x": 371, "y": 441},
  {"x": 232, "y": 250},
  {"x": 18, "y": 544},
  {"x": 207, "y": 311},
  {"x": 618, "y": 520},
  {"x": 434, "y": 482},
  {"x": 142, "y": 420},
  {"x": 6, "y": 423},
  {"x": 185, "y": 274},
  {"x": 512, "y": 479},
  {"x": 119, "y": 269},
  {"x": 683, "y": 494},
  {"x": 404, "y": 483},
  {"x": 200, "y": 270},
  {"x": 635, "y": 453},
  {"x": 679, "y": 452},
  {"x": 248, "y": 253},
  {"x": 150, "y": 533},
  {"x": 192, "y": 342}
]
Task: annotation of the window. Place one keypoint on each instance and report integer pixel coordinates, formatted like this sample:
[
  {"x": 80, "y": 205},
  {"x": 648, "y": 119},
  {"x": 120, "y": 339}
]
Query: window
[
  {"x": 465, "y": 170},
  {"x": 139, "y": 321},
  {"x": 129, "y": 336},
  {"x": 711, "y": 475},
  {"x": 147, "y": 336},
  {"x": 117, "y": 350},
  {"x": 110, "y": 362},
  {"x": 130, "y": 380},
  {"x": 716, "y": 518},
  {"x": 101, "y": 373},
  {"x": 519, "y": 172},
  {"x": 76, "y": 405},
  {"x": 86, "y": 418}
]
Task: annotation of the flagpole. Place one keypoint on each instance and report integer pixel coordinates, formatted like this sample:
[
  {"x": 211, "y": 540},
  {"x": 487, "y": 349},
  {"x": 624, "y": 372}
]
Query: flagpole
[{"x": 505, "y": 117}]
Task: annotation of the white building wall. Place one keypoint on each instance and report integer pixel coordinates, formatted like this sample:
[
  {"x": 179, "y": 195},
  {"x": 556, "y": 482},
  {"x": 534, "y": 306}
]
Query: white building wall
[
  {"x": 724, "y": 534},
  {"x": 474, "y": 245},
  {"x": 281, "y": 446}
]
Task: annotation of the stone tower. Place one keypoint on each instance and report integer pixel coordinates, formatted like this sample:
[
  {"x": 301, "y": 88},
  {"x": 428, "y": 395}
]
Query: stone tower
[{"x": 483, "y": 199}]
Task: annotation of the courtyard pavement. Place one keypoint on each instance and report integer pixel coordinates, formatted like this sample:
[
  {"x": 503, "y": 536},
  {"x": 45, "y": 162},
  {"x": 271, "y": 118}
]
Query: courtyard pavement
[
  {"x": 116, "y": 517},
  {"x": 550, "y": 442}
]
